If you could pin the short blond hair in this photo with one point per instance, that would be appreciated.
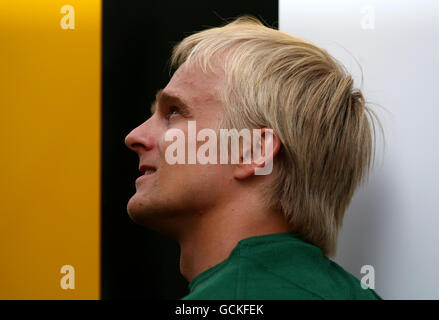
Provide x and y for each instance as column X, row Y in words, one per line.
column 283, row 82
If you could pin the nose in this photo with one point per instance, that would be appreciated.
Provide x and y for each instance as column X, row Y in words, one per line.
column 139, row 140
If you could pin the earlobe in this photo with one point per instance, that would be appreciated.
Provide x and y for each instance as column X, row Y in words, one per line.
column 245, row 167
column 243, row 171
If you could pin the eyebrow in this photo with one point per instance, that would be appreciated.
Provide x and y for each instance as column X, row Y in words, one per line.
column 166, row 97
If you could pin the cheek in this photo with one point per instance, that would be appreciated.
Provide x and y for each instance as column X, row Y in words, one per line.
column 190, row 176
column 176, row 140
column 211, row 179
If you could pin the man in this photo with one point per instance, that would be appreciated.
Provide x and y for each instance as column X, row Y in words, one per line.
column 245, row 235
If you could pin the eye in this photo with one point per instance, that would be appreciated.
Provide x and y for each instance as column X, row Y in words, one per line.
column 173, row 110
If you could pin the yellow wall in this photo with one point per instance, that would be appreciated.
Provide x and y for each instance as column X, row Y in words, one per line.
column 49, row 149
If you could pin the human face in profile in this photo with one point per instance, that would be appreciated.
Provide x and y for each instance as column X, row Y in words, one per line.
column 169, row 197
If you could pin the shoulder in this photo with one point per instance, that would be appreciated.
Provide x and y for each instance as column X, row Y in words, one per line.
column 280, row 270
column 293, row 270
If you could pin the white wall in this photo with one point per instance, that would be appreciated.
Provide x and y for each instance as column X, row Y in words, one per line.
column 392, row 222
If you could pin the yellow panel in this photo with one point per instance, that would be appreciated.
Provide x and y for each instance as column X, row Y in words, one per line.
column 49, row 149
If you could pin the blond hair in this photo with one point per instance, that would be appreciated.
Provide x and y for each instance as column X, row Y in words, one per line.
column 283, row 82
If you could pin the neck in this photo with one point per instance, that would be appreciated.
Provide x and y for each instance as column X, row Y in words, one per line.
column 216, row 233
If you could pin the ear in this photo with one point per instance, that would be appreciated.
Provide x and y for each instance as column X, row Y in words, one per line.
column 256, row 158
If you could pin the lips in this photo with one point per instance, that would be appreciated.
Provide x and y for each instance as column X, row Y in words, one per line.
column 147, row 169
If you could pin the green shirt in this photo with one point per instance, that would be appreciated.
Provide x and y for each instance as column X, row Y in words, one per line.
column 277, row 266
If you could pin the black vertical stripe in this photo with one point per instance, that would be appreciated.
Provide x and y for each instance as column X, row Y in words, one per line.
column 137, row 41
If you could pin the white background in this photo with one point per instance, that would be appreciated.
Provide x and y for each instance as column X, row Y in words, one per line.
column 392, row 222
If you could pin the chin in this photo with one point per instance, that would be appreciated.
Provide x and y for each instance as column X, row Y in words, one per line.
column 136, row 209
column 161, row 219
column 142, row 212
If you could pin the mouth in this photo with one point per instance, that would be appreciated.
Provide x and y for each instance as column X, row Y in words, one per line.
column 146, row 170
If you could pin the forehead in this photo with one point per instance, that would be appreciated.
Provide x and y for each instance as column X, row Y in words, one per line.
column 194, row 86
